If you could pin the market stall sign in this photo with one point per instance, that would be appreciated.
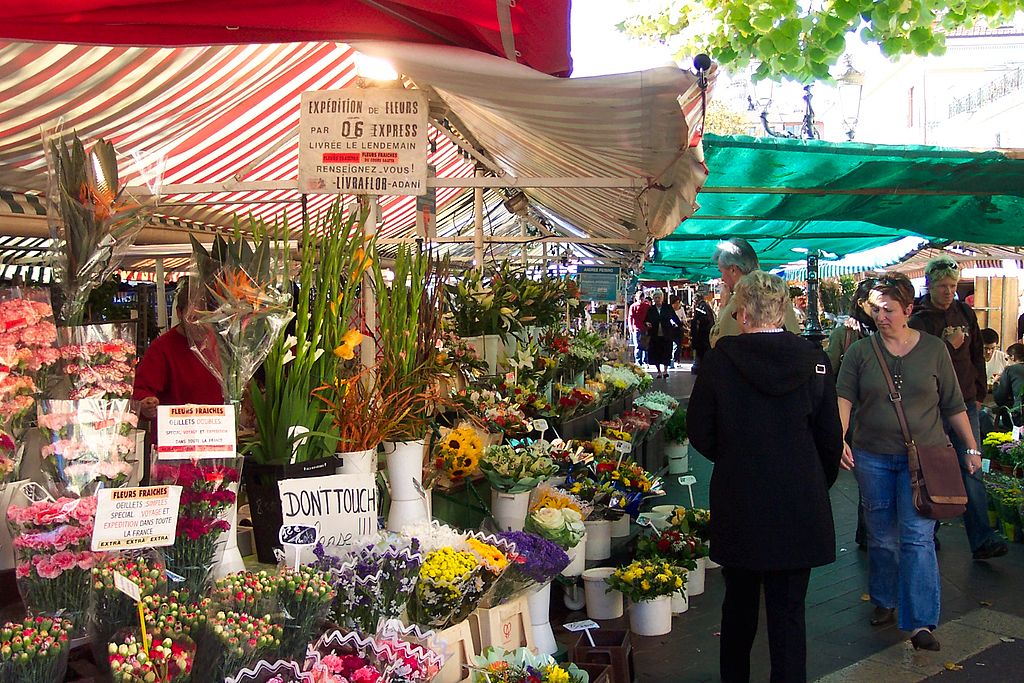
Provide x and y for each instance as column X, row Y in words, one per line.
column 599, row 283
column 195, row 432
column 342, row 507
column 363, row 141
column 143, row 517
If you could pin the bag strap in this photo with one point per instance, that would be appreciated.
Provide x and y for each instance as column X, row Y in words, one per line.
column 894, row 395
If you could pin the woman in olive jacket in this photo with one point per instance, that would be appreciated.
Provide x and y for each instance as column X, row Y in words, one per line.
column 764, row 410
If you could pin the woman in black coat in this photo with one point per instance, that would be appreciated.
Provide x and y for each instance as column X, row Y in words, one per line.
column 764, row 410
column 663, row 326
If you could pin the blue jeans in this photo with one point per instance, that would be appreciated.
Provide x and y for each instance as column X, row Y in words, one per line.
column 640, row 355
column 976, row 516
column 902, row 569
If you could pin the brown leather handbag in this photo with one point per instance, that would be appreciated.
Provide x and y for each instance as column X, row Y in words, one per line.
column 935, row 479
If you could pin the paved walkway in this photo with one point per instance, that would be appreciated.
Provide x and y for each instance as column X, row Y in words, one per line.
column 982, row 610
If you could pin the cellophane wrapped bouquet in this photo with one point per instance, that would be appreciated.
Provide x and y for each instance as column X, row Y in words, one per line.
column 207, row 497
column 27, row 355
column 93, row 215
column 496, row 665
column 87, row 444
column 53, row 560
column 396, row 656
column 558, row 517
column 534, row 562
column 110, row 609
column 239, row 302
column 373, row 582
column 34, row 650
column 230, row 641
column 99, row 360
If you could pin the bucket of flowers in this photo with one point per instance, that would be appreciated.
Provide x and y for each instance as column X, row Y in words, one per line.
column 513, row 472
column 35, row 649
column 649, row 585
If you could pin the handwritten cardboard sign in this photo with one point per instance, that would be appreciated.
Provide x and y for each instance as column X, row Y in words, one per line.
column 342, row 507
column 195, row 431
column 144, row 517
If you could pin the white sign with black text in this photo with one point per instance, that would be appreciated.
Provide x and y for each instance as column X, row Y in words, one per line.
column 193, row 432
column 342, row 507
column 363, row 141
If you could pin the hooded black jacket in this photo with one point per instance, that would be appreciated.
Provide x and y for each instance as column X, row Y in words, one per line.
column 764, row 410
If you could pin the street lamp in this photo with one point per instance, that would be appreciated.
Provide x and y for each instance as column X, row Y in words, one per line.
column 851, row 88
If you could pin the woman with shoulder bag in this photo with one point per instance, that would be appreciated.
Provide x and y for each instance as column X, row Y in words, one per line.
column 903, row 572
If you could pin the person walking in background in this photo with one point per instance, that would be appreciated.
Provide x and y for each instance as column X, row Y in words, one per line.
column 662, row 327
column 677, row 343
column 941, row 315
column 736, row 258
column 701, row 322
column 903, row 572
column 764, row 410
column 637, row 318
column 857, row 326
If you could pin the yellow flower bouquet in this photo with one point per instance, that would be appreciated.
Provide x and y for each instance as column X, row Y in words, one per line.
column 646, row 580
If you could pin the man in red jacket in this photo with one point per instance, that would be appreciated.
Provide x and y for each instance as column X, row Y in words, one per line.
column 637, row 316
column 170, row 373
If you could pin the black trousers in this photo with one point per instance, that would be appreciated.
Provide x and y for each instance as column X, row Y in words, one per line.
column 784, row 595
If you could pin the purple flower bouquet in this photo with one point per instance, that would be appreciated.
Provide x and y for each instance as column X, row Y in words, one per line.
column 535, row 562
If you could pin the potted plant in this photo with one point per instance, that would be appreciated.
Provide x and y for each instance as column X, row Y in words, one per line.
column 649, row 585
column 677, row 442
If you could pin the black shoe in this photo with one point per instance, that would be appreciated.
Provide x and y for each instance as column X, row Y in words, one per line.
column 883, row 615
column 991, row 548
column 924, row 640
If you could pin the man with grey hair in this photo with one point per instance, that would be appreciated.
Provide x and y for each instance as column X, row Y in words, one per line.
column 736, row 258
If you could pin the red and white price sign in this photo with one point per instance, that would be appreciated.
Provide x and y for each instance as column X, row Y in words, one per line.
column 194, row 432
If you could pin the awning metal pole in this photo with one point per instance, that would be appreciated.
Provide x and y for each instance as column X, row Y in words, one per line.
column 161, row 297
column 478, row 223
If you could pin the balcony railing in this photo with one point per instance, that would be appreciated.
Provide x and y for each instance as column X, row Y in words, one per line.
column 1010, row 82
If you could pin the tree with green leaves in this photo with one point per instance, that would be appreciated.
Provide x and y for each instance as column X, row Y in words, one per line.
column 801, row 40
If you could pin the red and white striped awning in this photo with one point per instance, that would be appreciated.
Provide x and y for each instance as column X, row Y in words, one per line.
column 230, row 113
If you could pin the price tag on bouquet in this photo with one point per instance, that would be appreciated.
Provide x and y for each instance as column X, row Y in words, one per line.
column 131, row 589
column 195, row 432
column 144, row 517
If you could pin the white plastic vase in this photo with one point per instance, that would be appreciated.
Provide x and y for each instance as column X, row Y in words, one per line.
column 358, row 462
column 405, row 475
column 231, row 559
column 709, row 563
column 678, row 456
column 680, row 601
column 620, row 527
column 601, row 602
column 540, row 620
column 510, row 509
column 577, row 558
column 695, row 578
column 599, row 539
column 651, row 617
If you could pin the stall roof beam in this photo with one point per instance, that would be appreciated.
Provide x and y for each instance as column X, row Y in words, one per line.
column 852, row 191
column 484, row 181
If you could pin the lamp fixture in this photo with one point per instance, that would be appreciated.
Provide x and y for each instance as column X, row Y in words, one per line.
column 850, row 85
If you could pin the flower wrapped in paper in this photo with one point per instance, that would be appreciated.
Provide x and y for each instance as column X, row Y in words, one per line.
column 514, row 469
column 93, row 216
column 230, row 641
column 239, row 302
column 207, row 497
column 99, row 360
column 168, row 660
column 87, row 444
column 53, row 560
column 558, row 516
column 34, row 650
column 397, row 655
column 680, row 549
column 496, row 665
column 372, row 582
column 534, row 562
column 110, row 609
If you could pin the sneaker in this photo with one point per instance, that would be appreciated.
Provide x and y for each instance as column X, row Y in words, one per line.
column 993, row 547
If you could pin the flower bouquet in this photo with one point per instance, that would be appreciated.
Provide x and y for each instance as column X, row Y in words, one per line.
column 448, row 579
column 27, row 335
column 100, row 360
column 372, row 583
column 283, row 671
column 402, row 656
column 93, row 218
column 206, row 501
column 478, row 307
column 515, row 469
column 619, row 379
column 53, row 561
column 631, row 482
column 646, row 579
column 177, row 614
column 495, row 665
column 251, row 592
column 561, row 525
column 695, row 521
column 457, row 453
column 569, row 455
column 111, row 610
column 10, row 459
column 230, row 641
column 456, row 358
column 491, row 411
column 672, row 546
column 534, row 563
column 570, row 401
column 239, row 302
column 88, row 444
column 604, row 500
column 304, row 597
column 169, row 660
column 34, row 650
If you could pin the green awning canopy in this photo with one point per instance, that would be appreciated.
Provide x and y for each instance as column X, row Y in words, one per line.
column 782, row 193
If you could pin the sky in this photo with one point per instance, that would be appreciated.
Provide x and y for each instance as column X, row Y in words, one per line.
column 598, row 48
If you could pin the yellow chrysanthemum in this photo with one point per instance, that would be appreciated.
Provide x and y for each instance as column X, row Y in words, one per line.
column 489, row 556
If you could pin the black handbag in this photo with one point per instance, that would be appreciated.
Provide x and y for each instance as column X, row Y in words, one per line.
column 935, row 479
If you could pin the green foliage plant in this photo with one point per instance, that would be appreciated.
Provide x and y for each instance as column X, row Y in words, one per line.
column 675, row 428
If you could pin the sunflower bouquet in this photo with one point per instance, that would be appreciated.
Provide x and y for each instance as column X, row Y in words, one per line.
column 646, row 579
column 457, row 453
column 239, row 302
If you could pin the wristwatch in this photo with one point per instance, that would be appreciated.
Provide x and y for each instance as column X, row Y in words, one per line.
column 972, row 451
